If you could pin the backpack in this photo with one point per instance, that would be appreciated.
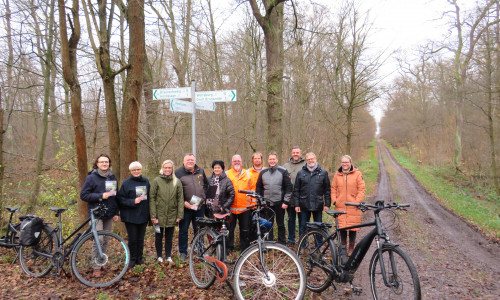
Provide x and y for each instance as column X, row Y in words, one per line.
column 31, row 229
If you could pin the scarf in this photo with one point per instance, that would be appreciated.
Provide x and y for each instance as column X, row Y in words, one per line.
column 313, row 168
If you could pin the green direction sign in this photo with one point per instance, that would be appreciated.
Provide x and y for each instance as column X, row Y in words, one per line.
column 171, row 93
column 216, row 96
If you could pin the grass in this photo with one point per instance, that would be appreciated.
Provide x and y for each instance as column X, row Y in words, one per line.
column 369, row 167
column 474, row 203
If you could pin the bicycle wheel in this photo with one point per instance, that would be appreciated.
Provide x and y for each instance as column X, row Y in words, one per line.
column 401, row 275
column 317, row 258
column 37, row 260
column 285, row 279
column 112, row 266
column 202, row 271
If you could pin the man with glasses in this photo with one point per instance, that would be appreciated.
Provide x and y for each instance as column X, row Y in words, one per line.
column 101, row 185
column 311, row 192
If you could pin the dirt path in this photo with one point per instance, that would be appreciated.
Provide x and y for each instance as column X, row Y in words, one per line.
column 453, row 260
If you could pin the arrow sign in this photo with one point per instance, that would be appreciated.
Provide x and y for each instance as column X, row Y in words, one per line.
column 177, row 105
column 210, row 106
column 216, row 96
column 171, row 93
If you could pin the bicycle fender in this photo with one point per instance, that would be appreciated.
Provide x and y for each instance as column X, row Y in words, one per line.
column 390, row 245
column 221, row 265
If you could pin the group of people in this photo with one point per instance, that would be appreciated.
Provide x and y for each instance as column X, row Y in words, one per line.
column 301, row 188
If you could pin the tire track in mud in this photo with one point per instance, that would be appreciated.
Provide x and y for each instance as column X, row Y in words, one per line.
column 453, row 259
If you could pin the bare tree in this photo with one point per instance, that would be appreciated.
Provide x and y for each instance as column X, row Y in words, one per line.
column 271, row 23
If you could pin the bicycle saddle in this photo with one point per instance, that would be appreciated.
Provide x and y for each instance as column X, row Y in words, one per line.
column 318, row 225
column 58, row 209
column 202, row 222
column 12, row 209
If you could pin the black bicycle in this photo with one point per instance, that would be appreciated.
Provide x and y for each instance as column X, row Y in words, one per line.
column 265, row 270
column 392, row 273
column 11, row 237
column 90, row 251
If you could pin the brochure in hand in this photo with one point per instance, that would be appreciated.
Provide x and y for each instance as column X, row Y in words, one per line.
column 141, row 191
column 111, row 186
column 195, row 200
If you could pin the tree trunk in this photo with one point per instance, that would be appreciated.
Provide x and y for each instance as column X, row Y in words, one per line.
column 272, row 25
column 133, row 88
column 47, row 85
column 70, row 74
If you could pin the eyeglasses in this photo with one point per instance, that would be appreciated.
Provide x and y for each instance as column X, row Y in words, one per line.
column 103, row 162
column 135, row 170
column 346, row 162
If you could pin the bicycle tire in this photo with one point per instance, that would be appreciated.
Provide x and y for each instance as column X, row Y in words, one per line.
column 316, row 258
column 287, row 278
column 407, row 283
column 202, row 273
column 112, row 267
column 37, row 260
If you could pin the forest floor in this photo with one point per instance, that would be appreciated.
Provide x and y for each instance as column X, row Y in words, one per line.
column 453, row 260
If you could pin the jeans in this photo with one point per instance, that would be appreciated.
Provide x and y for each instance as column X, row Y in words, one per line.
column 136, row 234
column 169, row 234
column 189, row 217
column 305, row 216
column 280, row 221
column 103, row 240
column 244, row 219
column 292, row 217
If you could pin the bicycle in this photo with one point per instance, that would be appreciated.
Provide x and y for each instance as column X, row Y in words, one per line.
column 264, row 270
column 11, row 237
column 392, row 273
column 110, row 255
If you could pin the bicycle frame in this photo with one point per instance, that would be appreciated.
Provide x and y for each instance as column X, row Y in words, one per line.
column 10, row 230
column 346, row 272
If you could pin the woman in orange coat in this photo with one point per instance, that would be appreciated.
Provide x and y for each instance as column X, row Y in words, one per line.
column 348, row 186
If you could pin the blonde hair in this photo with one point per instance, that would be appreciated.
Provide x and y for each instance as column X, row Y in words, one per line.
column 134, row 164
column 346, row 156
column 168, row 161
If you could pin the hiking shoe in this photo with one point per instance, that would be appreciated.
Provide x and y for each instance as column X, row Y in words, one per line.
column 169, row 260
column 160, row 259
column 183, row 256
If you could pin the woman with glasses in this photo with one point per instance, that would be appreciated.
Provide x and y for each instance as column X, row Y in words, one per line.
column 348, row 186
column 134, row 211
column 101, row 185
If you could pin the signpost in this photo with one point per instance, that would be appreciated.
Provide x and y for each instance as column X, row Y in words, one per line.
column 199, row 100
column 171, row 93
column 216, row 96
column 177, row 105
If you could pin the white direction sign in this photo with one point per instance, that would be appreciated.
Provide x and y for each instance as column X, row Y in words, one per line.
column 205, row 105
column 177, row 105
column 216, row 96
column 171, row 93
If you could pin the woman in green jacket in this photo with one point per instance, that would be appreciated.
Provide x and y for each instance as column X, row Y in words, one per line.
column 166, row 207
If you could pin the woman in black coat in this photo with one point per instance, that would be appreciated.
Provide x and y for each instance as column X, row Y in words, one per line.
column 134, row 211
column 220, row 193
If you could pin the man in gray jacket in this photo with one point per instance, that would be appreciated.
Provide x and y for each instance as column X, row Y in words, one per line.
column 275, row 186
column 295, row 164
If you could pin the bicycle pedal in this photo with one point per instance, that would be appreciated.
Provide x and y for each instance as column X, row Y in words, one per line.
column 357, row 291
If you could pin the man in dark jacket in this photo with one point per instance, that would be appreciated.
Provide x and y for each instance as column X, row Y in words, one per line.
column 101, row 185
column 194, row 185
column 275, row 186
column 311, row 192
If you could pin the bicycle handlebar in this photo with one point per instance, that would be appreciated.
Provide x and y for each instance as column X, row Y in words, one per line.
column 377, row 205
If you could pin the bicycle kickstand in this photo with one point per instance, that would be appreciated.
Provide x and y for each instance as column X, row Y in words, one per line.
column 356, row 290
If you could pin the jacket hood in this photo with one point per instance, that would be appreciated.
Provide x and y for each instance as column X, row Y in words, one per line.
column 350, row 170
column 94, row 171
column 301, row 159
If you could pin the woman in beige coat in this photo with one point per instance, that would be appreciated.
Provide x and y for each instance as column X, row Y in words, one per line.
column 348, row 186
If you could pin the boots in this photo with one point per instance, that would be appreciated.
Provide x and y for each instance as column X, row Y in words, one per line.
column 351, row 248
